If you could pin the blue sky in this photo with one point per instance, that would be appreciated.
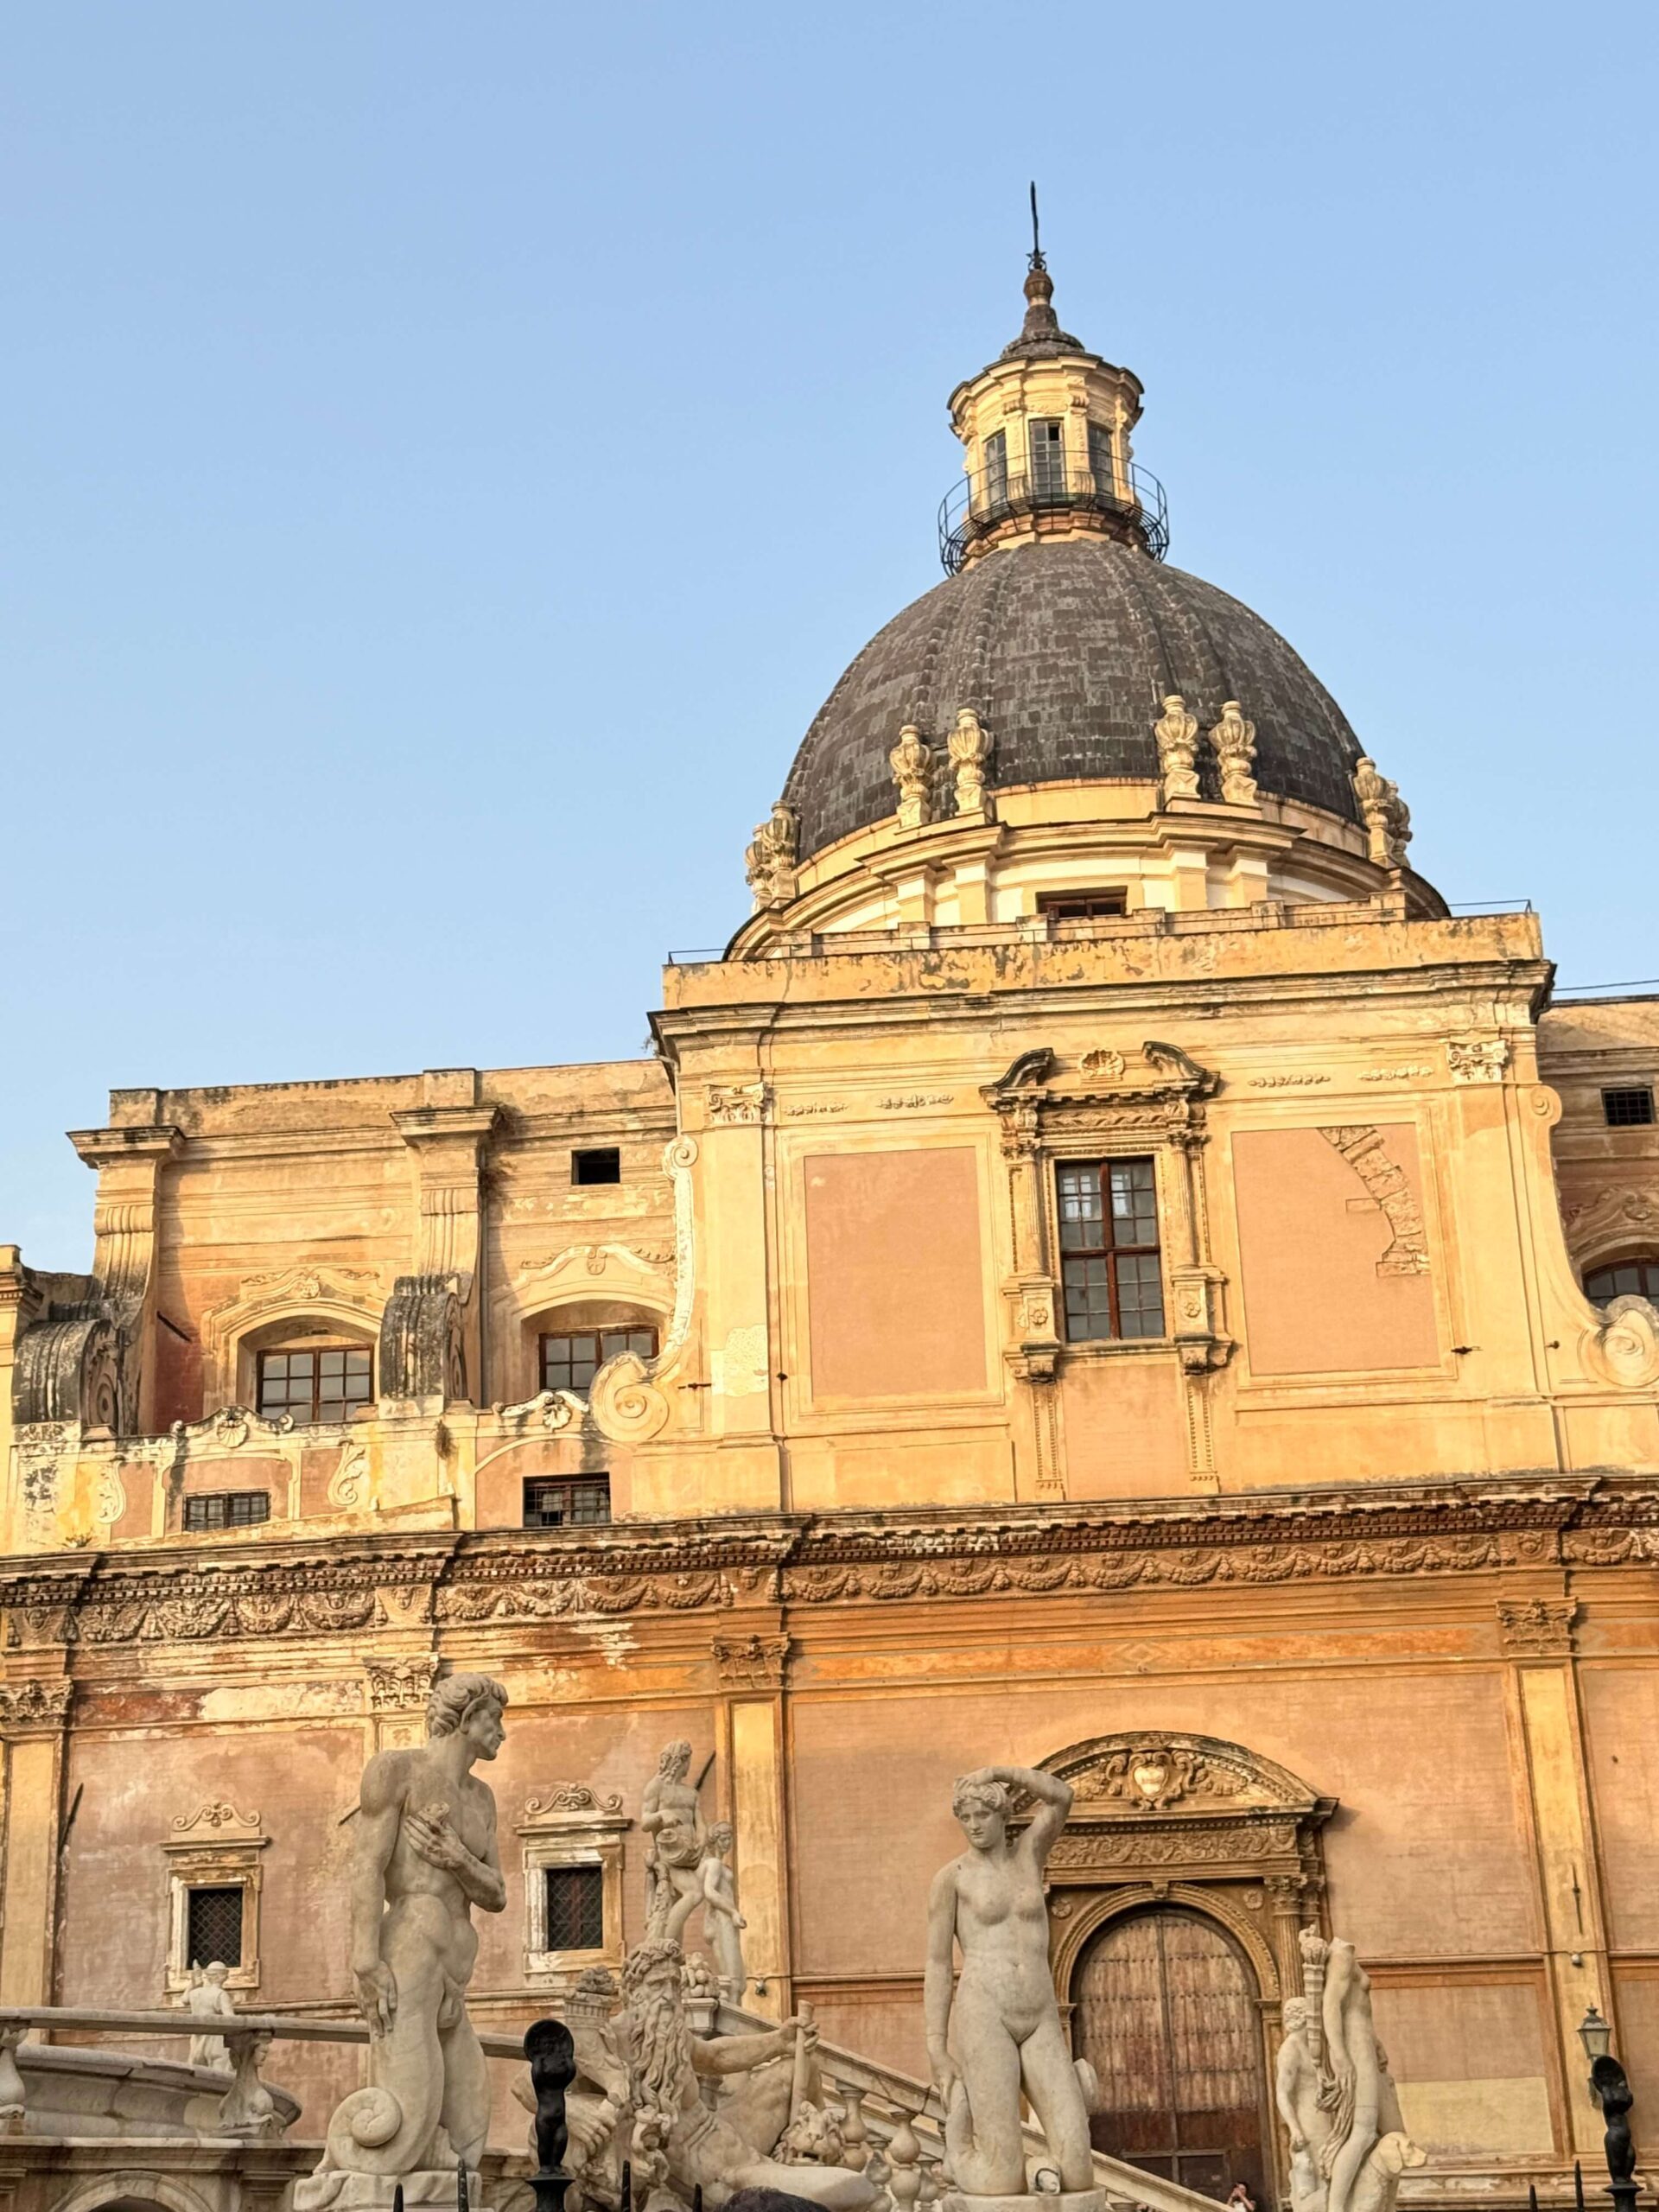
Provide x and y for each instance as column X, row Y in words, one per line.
column 450, row 452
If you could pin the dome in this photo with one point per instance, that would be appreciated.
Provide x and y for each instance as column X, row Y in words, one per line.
column 1066, row 649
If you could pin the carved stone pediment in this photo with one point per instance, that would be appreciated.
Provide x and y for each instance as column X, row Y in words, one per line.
column 1167, row 1799
column 1162, row 1096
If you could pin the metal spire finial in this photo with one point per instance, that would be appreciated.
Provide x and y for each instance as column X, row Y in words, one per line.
column 1037, row 261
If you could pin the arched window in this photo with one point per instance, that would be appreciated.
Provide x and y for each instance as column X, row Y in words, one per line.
column 315, row 1375
column 571, row 1356
column 1164, row 2011
column 1637, row 1278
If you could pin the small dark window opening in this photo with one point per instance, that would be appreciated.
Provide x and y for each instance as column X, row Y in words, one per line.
column 573, row 1502
column 1625, row 1278
column 1048, row 458
column 213, row 1927
column 226, row 1509
column 1628, row 1108
column 572, row 1358
column 326, row 1384
column 1083, row 905
column 599, row 1164
column 575, row 1907
column 996, row 469
column 1109, row 1249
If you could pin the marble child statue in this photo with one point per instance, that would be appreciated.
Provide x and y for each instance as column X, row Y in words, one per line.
column 722, row 1924
column 1003, row 2034
column 208, row 1998
column 424, row 1854
column 1348, row 2143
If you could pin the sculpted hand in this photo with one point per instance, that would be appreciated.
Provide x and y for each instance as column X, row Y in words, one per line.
column 376, row 1996
column 945, row 2076
column 431, row 1836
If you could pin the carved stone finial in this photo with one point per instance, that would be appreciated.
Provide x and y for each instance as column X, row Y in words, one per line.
column 910, row 760
column 970, row 749
column 1177, row 749
column 1386, row 816
column 770, row 859
column 1234, row 739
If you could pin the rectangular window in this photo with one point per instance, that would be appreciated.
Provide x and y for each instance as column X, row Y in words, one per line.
column 326, row 1383
column 1083, row 905
column 213, row 1926
column 1048, row 458
column 1109, row 1249
column 575, row 1907
column 570, row 1361
column 575, row 1501
column 598, row 1163
column 1630, row 1108
column 996, row 469
column 1100, row 460
column 226, row 1509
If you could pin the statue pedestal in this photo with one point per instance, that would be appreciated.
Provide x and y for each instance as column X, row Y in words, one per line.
column 1070, row 2200
column 337, row 2190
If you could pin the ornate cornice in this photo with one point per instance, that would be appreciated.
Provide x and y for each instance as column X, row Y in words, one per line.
column 170, row 1595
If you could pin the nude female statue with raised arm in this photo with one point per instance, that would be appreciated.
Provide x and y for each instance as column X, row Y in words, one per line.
column 1003, row 2034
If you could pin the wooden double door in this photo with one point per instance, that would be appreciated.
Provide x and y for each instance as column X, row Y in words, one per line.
column 1165, row 2010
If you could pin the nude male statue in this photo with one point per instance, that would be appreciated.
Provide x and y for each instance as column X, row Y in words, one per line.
column 208, row 1998
column 424, row 1855
column 723, row 1924
column 671, row 1817
column 1003, row 2033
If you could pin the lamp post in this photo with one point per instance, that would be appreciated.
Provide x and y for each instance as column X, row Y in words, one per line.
column 1610, row 2088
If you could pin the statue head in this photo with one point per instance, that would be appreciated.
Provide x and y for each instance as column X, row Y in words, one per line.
column 1295, row 2012
column 469, row 1705
column 215, row 1971
column 676, row 1762
column 982, row 1809
column 719, row 1840
column 652, row 1968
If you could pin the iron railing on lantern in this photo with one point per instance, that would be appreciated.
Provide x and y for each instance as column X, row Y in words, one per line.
column 988, row 499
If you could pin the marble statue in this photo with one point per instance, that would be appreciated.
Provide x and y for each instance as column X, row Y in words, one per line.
column 208, row 1998
column 678, row 2141
column 722, row 1924
column 424, row 1854
column 1002, row 2034
column 671, row 1817
column 1347, row 2142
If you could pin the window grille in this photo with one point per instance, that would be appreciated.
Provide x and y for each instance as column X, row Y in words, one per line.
column 579, row 1502
column 598, row 1163
column 575, row 1907
column 1627, row 1109
column 213, row 1927
column 226, row 1509
column 1048, row 458
column 570, row 1359
column 1109, row 1263
column 323, row 1384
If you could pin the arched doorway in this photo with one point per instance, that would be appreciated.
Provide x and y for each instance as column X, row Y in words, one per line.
column 1165, row 2010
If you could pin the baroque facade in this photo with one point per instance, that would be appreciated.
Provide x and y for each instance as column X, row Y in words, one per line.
column 1107, row 1271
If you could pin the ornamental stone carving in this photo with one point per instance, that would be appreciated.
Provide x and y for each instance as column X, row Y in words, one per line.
column 1233, row 740
column 1366, row 1151
column 736, row 1105
column 752, row 1662
column 1625, row 1349
column 769, row 864
column 35, row 1706
column 400, row 1685
column 71, row 1371
column 422, row 1344
column 1536, row 1628
column 1476, row 1059
column 969, row 747
column 1177, row 733
column 911, row 761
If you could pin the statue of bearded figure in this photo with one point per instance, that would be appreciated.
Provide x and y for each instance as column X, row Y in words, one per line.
column 677, row 2138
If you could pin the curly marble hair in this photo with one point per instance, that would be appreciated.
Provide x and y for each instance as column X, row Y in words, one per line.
column 454, row 1698
column 979, row 1796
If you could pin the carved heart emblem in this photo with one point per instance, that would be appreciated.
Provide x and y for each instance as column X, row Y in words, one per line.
column 1149, row 1774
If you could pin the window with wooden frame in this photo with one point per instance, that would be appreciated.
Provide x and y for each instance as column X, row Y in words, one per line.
column 1110, row 1268
column 1100, row 461
column 1624, row 1279
column 226, row 1509
column 571, row 1357
column 1083, row 906
column 996, row 469
column 317, row 1382
column 1047, row 437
